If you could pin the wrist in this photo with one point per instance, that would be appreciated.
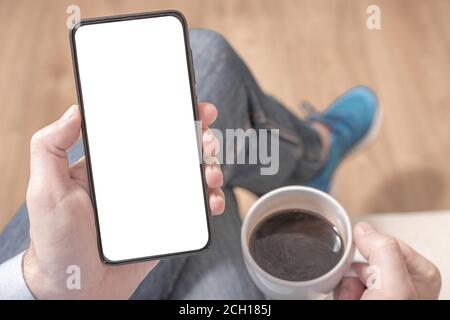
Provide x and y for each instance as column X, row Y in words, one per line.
column 31, row 274
column 40, row 285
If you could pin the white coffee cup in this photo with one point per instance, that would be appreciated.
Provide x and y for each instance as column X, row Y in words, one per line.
column 309, row 199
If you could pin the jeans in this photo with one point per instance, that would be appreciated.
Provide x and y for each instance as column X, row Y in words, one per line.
column 223, row 79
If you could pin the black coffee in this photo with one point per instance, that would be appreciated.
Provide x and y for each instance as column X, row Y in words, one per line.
column 296, row 245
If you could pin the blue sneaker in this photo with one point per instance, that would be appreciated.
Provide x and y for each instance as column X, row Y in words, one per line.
column 353, row 120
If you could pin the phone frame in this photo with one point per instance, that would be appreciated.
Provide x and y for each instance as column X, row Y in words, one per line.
column 192, row 81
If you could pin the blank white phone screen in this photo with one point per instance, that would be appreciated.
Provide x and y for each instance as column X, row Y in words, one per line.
column 142, row 138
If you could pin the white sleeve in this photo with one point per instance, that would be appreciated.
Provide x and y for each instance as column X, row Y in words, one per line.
column 12, row 283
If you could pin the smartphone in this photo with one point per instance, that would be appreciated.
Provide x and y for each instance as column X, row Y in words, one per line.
column 136, row 91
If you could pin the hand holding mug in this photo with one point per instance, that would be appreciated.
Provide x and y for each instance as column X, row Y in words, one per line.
column 394, row 270
column 403, row 273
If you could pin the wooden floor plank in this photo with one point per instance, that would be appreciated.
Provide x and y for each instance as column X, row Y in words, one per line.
column 297, row 49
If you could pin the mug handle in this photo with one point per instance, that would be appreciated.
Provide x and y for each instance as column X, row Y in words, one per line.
column 357, row 258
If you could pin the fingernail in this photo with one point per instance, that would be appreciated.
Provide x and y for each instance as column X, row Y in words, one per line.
column 69, row 113
column 363, row 228
column 217, row 198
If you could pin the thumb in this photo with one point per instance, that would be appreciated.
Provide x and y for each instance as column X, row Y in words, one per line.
column 385, row 257
column 48, row 164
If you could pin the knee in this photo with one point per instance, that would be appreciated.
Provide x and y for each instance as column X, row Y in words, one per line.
column 211, row 43
column 206, row 37
column 217, row 66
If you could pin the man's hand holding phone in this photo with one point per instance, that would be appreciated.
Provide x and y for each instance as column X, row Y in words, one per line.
column 62, row 227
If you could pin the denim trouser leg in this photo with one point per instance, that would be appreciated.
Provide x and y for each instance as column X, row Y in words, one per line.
column 223, row 79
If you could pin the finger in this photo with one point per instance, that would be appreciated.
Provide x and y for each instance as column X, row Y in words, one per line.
column 426, row 274
column 416, row 263
column 207, row 113
column 210, row 144
column 78, row 172
column 350, row 288
column 216, row 201
column 48, row 163
column 384, row 255
column 365, row 274
column 214, row 176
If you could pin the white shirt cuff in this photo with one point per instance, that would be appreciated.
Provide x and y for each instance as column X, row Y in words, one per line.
column 12, row 282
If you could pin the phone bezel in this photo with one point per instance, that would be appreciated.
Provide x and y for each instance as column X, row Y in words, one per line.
column 190, row 66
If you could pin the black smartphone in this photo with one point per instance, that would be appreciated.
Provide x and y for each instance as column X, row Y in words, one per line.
column 136, row 91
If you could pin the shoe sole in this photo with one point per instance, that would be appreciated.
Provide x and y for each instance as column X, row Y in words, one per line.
column 368, row 139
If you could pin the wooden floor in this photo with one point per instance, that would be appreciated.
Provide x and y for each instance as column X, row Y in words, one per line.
column 298, row 50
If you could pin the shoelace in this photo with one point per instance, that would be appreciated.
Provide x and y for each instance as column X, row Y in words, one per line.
column 307, row 108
